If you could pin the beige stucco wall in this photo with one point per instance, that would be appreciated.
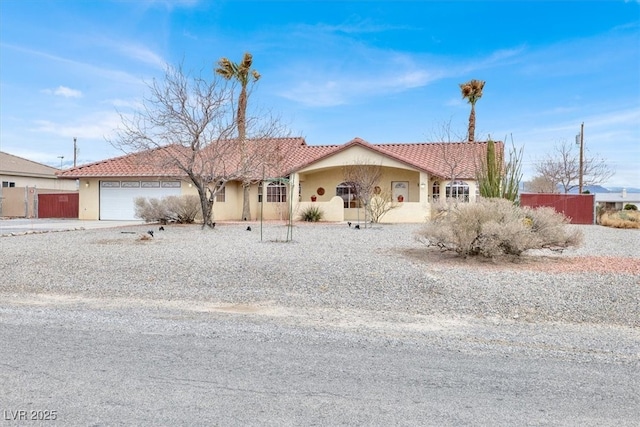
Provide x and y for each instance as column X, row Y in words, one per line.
column 327, row 174
column 41, row 183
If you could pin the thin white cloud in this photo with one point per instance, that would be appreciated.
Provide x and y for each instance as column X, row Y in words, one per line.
column 64, row 91
column 355, row 25
column 378, row 72
column 86, row 68
column 138, row 53
column 96, row 125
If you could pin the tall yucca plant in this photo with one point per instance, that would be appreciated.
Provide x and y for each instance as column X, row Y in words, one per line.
column 472, row 92
column 243, row 73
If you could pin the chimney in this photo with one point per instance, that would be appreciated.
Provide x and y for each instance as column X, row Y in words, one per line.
column 624, row 193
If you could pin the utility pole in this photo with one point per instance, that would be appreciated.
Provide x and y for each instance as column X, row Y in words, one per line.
column 75, row 151
column 581, row 158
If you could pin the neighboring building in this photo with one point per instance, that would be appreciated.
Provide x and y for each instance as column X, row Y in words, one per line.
column 617, row 201
column 414, row 175
column 22, row 181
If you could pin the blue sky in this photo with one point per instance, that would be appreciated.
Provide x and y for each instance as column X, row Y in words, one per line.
column 387, row 72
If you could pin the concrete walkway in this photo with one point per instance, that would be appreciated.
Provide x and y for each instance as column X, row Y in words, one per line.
column 23, row 225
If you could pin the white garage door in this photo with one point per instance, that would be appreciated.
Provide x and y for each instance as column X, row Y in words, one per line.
column 117, row 197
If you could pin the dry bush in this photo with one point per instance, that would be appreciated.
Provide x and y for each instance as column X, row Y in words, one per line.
column 150, row 209
column 183, row 209
column 379, row 205
column 621, row 219
column 179, row 209
column 495, row 227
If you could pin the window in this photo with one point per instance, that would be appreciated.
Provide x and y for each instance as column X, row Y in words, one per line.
column 349, row 194
column 458, row 190
column 222, row 195
column 276, row 192
column 435, row 191
column 7, row 184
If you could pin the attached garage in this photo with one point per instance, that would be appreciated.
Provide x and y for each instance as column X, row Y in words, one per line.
column 117, row 197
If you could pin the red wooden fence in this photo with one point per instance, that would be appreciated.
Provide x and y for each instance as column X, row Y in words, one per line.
column 579, row 208
column 58, row 205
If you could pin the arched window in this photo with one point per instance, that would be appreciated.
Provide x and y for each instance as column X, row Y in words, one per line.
column 349, row 194
column 458, row 190
column 435, row 191
column 276, row 192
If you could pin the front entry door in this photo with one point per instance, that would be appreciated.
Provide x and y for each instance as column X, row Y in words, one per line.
column 400, row 191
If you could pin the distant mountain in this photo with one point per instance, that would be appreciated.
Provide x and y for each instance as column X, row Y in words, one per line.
column 591, row 189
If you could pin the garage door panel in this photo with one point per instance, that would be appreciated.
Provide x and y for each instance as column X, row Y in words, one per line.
column 117, row 197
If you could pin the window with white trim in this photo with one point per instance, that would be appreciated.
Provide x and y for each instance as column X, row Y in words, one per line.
column 276, row 192
column 435, row 191
column 8, row 184
column 457, row 190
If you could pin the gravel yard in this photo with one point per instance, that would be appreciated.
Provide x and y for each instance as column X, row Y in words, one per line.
column 382, row 269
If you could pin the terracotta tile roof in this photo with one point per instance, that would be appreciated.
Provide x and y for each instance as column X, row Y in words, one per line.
column 438, row 159
column 135, row 164
column 442, row 159
column 17, row 166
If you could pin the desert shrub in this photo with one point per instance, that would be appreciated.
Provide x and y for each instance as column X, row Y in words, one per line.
column 630, row 207
column 150, row 209
column 621, row 219
column 495, row 227
column 180, row 209
column 312, row 214
column 379, row 205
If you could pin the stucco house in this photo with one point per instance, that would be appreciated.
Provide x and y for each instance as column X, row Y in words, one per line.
column 413, row 175
column 22, row 181
column 617, row 201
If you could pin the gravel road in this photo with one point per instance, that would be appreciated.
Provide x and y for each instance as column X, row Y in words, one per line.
column 338, row 327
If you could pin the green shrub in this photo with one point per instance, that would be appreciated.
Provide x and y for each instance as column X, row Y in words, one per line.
column 179, row 209
column 630, row 207
column 312, row 214
column 495, row 227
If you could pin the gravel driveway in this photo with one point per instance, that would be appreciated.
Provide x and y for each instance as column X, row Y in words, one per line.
column 327, row 268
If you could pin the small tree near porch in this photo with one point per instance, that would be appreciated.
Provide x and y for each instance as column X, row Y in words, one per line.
column 365, row 177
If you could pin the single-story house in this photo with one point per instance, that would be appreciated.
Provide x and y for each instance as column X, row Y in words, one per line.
column 617, row 201
column 413, row 176
column 22, row 181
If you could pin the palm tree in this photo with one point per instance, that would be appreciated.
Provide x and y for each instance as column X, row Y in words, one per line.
column 472, row 92
column 243, row 73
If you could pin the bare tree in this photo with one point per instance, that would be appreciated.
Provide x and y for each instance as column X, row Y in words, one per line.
column 380, row 204
column 186, row 125
column 450, row 155
column 561, row 167
column 540, row 184
column 365, row 176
